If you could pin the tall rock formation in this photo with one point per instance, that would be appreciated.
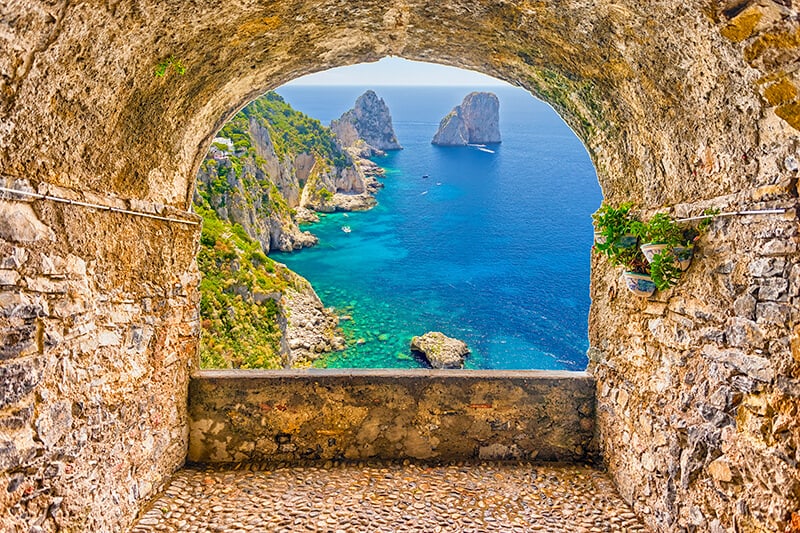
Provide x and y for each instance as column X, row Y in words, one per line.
column 370, row 121
column 270, row 165
column 475, row 121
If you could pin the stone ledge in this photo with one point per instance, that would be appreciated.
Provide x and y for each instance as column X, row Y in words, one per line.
column 431, row 415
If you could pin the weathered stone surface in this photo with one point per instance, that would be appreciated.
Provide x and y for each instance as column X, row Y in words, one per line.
column 18, row 379
column 18, row 223
column 475, row 121
column 96, row 348
column 362, row 414
column 340, row 497
column 439, row 350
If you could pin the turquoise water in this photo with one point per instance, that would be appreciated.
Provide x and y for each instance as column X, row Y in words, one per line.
column 492, row 248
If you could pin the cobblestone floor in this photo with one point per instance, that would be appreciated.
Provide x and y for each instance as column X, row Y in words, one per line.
column 390, row 498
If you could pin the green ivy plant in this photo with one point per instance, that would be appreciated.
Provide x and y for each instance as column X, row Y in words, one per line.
column 661, row 229
column 664, row 269
column 170, row 63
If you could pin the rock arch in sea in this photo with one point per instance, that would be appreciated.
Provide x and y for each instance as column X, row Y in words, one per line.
column 681, row 104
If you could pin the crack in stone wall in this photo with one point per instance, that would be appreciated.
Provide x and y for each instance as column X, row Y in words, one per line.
column 681, row 105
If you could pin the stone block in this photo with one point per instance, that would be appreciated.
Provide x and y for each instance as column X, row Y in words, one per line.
column 753, row 366
column 779, row 247
column 19, row 223
column 744, row 333
column 47, row 285
column 109, row 338
column 720, row 470
column 794, row 280
column 16, row 419
column 773, row 290
column 745, row 306
column 54, row 423
column 9, row 457
column 765, row 267
column 773, row 313
column 18, row 340
column 75, row 267
column 16, row 259
column 19, row 378
column 9, row 277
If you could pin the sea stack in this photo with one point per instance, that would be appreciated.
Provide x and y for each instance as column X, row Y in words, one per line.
column 369, row 120
column 475, row 121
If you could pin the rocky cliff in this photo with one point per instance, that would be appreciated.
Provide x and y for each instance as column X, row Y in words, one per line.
column 271, row 162
column 475, row 121
column 370, row 121
column 269, row 168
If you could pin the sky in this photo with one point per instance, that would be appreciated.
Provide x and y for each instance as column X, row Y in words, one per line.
column 398, row 71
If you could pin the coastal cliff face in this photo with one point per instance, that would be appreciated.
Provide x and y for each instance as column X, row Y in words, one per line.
column 269, row 168
column 271, row 161
column 369, row 120
column 475, row 121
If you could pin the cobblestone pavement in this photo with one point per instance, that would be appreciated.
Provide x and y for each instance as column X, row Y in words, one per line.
column 377, row 497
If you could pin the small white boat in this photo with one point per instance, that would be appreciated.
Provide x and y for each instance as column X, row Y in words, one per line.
column 481, row 147
column 346, row 229
column 423, row 193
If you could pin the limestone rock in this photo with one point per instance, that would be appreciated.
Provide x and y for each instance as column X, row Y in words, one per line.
column 369, row 120
column 475, row 121
column 311, row 329
column 18, row 223
column 440, row 350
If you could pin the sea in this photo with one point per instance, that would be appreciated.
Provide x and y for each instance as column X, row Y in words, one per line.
column 487, row 244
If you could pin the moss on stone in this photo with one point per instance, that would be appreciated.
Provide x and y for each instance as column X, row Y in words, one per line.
column 767, row 41
column 781, row 93
column 741, row 27
column 790, row 113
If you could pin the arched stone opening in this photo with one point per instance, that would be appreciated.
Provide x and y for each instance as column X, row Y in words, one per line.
column 683, row 105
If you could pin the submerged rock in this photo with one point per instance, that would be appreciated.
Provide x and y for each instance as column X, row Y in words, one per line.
column 440, row 350
column 475, row 121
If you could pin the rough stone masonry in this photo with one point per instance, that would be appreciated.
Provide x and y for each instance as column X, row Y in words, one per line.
column 682, row 104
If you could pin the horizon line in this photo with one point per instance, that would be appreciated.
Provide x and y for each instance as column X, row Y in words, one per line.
column 505, row 85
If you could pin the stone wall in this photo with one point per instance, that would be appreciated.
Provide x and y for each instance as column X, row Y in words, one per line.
column 269, row 416
column 97, row 316
column 698, row 385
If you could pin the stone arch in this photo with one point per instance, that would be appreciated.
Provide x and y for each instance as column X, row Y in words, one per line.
column 680, row 104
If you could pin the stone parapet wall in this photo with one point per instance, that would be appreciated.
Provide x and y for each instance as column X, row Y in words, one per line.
column 426, row 415
column 98, row 321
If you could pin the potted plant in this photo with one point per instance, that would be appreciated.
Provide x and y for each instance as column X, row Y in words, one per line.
column 662, row 235
column 613, row 231
column 616, row 238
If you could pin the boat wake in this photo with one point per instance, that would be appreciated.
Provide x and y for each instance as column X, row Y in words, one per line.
column 481, row 147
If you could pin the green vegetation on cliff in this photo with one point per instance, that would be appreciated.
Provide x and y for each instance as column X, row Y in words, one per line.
column 239, row 298
column 293, row 132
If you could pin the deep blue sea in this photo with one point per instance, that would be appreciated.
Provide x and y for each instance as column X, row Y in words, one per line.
column 491, row 248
